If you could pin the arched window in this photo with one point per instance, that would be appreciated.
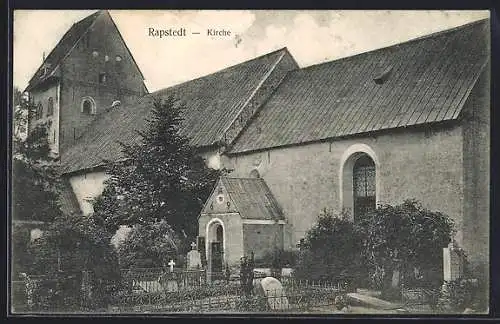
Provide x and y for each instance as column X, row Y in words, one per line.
column 363, row 185
column 50, row 107
column 88, row 106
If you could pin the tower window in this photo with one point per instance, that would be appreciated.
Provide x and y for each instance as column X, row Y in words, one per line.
column 88, row 106
column 50, row 107
column 102, row 77
column 118, row 58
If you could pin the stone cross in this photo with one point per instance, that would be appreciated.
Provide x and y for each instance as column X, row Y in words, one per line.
column 171, row 264
column 193, row 245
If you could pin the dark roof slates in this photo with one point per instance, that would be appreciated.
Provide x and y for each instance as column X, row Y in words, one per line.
column 252, row 198
column 426, row 79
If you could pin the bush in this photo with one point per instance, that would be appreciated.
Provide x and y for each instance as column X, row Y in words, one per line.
column 456, row 296
column 74, row 243
column 277, row 259
column 404, row 237
column 330, row 250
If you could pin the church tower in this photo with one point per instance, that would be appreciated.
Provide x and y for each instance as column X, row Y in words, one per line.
column 89, row 71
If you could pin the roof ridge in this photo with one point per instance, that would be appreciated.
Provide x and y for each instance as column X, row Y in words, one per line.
column 91, row 18
column 261, row 82
column 409, row 41
column 219, row 71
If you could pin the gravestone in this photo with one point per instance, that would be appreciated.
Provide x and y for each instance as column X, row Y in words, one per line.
column 169, row 282
column 453, row 262
column 273, row 290
column 193, row 258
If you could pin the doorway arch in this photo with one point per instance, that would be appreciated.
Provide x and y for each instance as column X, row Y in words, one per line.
column 215, row 245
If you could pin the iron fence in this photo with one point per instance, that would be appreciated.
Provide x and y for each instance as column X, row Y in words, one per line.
column 157, row 280
column 296, row 296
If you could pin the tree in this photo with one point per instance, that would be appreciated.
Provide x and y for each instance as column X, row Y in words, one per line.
column 405, row 238
column 330, row 249
column 161, row 178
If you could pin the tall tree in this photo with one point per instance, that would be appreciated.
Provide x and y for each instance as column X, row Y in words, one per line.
column 161, row 178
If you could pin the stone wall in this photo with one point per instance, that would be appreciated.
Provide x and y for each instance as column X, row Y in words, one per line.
column 425, row 164
column 96, row 53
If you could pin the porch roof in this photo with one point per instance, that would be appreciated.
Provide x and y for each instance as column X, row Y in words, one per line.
column 253, row 198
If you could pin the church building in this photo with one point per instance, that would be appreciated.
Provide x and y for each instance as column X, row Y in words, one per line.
column 408, row 121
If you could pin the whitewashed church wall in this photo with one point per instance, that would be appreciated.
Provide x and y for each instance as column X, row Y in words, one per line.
column 305, row 179
column 87, row 187
column 213, row 159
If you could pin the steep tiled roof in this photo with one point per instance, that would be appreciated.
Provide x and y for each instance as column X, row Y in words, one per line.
column 212, row 104
column 421, row 81
column 62, row 48
column 252, row 198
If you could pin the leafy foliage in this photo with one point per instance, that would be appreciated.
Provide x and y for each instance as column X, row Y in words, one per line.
column 161, row 178
column 456, row 296
column 35, row 184
column 153, row 243
column 330, row 249
column 35, row 180
column 407, row 235
column 73, row 243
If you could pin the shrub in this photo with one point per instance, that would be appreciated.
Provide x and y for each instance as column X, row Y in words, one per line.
column 330, row 249
column 404, row 237
column 458, row 295
column 277, row 259
column 73, row 243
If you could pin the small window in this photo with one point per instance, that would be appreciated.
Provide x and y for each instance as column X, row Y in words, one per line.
column 95, row 53
column 106, row 58
column 50, row 107
column 118, row 58
column 102, row 77
column 39, row 111
column 88, row 106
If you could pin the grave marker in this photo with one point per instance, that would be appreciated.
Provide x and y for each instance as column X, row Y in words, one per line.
column 171, row 265
column 273, row 289
column 193, row 258
column 453, row 262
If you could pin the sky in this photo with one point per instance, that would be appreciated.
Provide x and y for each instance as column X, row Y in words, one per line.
column 312, row 37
